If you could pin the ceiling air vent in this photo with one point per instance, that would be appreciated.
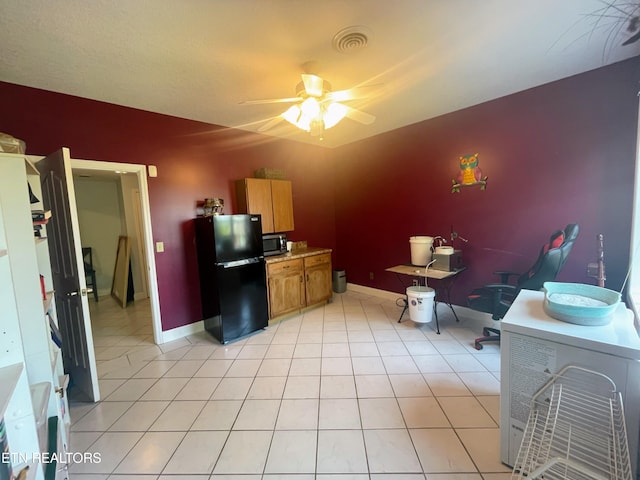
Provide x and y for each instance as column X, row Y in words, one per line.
column 351, row 39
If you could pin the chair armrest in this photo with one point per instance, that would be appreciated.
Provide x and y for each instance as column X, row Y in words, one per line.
column 498, row 298
column 504, row 275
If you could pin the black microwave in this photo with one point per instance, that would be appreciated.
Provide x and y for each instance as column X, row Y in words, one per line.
column 274, row 244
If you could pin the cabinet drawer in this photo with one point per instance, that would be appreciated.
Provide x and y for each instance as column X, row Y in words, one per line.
column 317, row 260
column 284, row 267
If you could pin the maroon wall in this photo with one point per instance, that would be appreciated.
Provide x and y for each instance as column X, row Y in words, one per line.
column 557, row 154
column 194, row 160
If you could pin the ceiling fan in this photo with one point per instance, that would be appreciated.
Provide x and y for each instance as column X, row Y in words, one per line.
column 316, row 108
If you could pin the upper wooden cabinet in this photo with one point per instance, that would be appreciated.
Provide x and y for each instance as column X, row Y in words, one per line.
column 282, row 198
column 273, row 199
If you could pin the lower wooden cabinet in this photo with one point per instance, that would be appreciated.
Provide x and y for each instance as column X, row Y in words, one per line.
column 298, row 283
column 286, row 287
column 317, row 271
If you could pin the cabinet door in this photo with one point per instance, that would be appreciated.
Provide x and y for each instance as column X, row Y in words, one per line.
column 286, row 287
column 282, row 197
column 254, row 196
column 318, row 278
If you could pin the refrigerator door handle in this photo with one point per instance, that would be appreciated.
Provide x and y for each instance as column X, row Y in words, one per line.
column 239, row 263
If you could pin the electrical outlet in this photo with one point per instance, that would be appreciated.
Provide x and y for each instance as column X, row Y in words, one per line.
column 415, row 282
column 370, row 275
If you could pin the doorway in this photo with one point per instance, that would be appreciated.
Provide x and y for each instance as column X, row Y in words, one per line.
column 127, row 184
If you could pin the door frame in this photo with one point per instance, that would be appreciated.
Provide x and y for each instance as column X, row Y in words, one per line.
column 141, row 173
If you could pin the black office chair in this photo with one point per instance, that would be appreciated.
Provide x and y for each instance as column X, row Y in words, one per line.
column 497, row 298
column 89, row 271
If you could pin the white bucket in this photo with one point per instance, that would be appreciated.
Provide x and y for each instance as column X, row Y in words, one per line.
column 421, row 300
column 420, row 250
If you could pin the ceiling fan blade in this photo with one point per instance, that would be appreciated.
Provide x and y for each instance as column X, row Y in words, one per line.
column 313, row 84
column 271, row 100
column 359, row 116
column 351, row 93
column 271, row 123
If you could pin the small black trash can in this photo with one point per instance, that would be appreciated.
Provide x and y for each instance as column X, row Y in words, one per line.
column 339, row 281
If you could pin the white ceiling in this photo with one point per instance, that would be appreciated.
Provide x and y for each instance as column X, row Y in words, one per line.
column 198, row 59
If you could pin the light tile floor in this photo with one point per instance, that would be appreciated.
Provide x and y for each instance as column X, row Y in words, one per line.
column 341, row 392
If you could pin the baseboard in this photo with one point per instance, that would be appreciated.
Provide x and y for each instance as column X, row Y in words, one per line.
column 181, row 332
column 483, row 319
column 376, row 292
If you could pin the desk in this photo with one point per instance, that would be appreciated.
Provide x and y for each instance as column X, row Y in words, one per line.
column 445, row 281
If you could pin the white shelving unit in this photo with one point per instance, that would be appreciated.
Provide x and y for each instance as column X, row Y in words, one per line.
column 576, row 430
column 31, row 371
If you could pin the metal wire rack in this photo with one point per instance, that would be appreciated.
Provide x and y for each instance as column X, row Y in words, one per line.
column 576, row 430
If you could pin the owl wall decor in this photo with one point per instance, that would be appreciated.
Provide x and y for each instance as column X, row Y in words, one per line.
column 469, row 174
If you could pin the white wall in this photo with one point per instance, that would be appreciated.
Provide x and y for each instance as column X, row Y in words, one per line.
column 100, row 214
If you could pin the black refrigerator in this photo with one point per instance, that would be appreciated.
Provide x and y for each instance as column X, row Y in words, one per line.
column 233, row 284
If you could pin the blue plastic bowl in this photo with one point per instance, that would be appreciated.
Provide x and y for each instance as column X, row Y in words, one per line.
column 580, row 303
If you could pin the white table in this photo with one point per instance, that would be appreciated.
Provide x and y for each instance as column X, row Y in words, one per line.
column 443, row 287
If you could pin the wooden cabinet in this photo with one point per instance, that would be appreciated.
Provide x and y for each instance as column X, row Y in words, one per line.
column 286, row 287
column 272, row 199
column 298, row 283
column 282, row 198
column 317, row 272
column 31, row 373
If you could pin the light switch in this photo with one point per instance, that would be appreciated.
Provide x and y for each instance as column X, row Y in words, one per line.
column 153, row 171
column 159, row 247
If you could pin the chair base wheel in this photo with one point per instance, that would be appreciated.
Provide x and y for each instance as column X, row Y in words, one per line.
column 489, row 335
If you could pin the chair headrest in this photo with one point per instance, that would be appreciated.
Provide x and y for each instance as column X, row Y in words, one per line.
column 571, row 232
column 556, row 239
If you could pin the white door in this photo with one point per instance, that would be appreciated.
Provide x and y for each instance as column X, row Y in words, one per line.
column 67, row 269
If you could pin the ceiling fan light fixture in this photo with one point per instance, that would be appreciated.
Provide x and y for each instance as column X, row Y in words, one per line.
column 333, row 114
column 310, row 107
column 313, row 117
column 304, row 122
column 316, row 127
column 292, row 114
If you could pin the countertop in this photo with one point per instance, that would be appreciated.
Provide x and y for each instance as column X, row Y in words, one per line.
column 298, row 253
